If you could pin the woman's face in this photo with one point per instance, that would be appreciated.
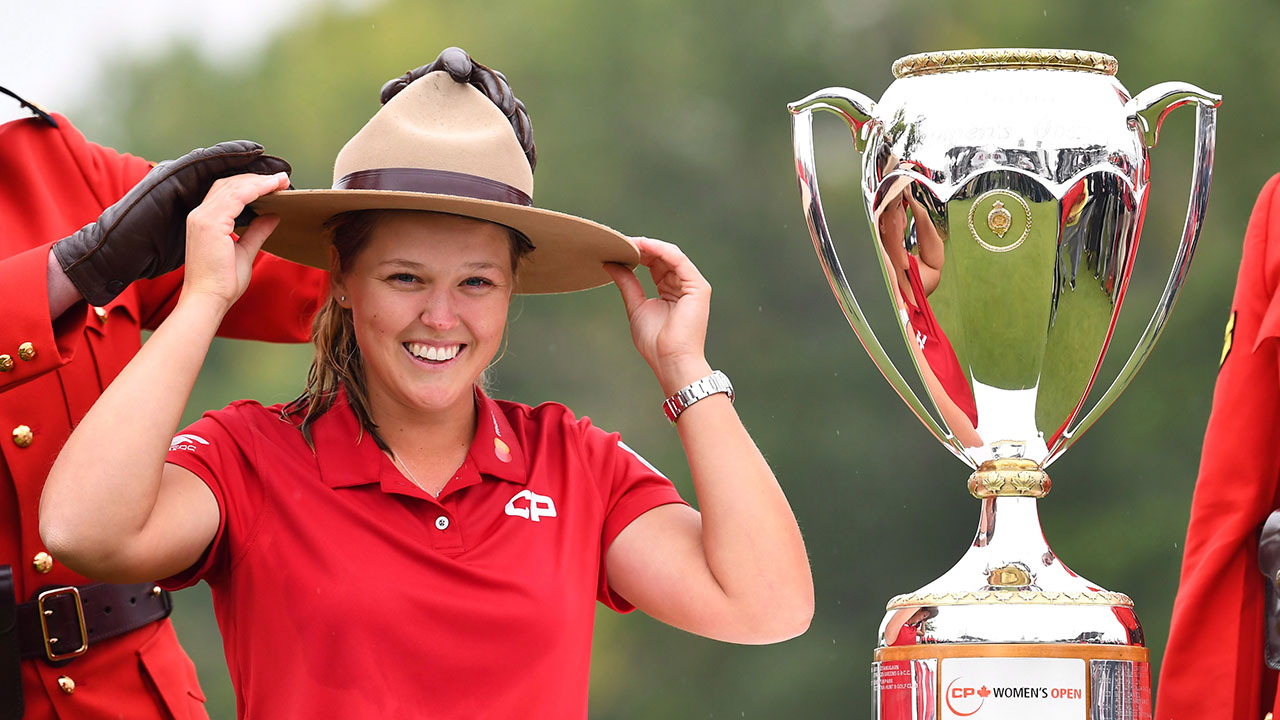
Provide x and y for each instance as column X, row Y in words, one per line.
column 428, row 295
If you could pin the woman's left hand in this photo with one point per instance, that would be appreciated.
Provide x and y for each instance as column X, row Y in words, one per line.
column 669, row 330
column 217, row 264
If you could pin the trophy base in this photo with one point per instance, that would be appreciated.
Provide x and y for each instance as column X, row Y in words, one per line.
column 1011, row 681
column 1011, row 633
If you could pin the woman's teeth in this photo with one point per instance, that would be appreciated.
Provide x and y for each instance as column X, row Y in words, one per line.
column 433, row 353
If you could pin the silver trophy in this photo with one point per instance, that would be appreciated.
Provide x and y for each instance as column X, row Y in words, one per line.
column 1006, row 191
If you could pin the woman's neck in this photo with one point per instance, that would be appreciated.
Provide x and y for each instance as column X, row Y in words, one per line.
column 432, row 446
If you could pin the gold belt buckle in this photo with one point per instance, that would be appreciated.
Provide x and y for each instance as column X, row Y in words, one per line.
column 49, row 642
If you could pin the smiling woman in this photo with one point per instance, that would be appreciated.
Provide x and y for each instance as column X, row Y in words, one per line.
column 495, row 527
column 413, row 266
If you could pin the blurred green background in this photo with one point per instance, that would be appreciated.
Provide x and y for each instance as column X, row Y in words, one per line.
column 668, row 119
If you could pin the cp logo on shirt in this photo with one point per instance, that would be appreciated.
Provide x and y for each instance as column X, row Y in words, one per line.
column 530, row 505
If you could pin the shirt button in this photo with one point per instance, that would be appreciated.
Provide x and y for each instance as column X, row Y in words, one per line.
column 67, row 684
column 22, row 436
column 6, row 363
column 26, row 351
column 442, row 523
column 42, row 562
column 101, row 313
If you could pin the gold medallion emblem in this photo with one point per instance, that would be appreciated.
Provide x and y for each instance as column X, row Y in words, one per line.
column 1005, row 210
column 998, row 219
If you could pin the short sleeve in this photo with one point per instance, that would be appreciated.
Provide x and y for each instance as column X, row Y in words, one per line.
column 219, row 449
column 630, row 487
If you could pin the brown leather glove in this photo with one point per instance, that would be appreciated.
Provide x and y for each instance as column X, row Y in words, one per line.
column 144, row 234
column 492, row 83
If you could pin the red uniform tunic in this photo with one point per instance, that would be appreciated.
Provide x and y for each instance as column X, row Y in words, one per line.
column 52, row 182
column 1213, row 666
column 344, row 591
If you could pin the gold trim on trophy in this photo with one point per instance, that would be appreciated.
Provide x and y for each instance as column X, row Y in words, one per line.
column 1005, row 58
column 1009, row 477
column 1045, row 650
column 999, row 220
column 1010, row 597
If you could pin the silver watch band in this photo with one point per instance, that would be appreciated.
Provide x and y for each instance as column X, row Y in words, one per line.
column 716, row 382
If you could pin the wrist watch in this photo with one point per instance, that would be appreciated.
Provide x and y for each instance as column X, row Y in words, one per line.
column 716, row 382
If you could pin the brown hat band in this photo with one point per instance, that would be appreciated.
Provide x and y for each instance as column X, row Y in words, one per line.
column 435, row 182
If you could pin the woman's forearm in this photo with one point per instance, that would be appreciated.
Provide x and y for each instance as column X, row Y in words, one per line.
column 102, row 488
column 752, row 544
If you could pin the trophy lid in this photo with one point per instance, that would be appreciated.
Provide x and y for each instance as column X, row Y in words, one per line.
column 1004, row 58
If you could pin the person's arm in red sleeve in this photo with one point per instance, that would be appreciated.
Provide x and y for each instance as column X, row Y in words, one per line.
column 278, row 306
column 32, row 342
column 1213, row 664
column 52, row 182
column 116, row 220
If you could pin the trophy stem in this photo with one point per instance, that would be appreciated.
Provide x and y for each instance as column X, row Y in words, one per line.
column 1010, row 564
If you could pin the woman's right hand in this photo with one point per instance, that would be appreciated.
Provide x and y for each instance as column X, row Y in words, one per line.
column 217, row 266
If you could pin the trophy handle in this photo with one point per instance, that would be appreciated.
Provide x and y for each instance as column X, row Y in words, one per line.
column 1148, row 110
column 855, row 108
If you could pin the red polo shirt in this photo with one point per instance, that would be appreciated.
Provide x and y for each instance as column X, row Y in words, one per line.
column 343, row 590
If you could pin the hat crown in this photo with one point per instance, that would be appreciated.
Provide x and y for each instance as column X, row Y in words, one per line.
column 438, row 124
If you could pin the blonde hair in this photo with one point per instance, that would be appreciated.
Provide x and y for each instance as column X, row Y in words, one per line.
column 337, row 363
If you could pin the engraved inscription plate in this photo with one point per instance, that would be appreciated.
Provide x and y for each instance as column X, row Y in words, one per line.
column 1120, row 690
column 905, row 689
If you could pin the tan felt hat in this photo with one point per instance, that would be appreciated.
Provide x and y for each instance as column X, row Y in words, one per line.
column 442, row 146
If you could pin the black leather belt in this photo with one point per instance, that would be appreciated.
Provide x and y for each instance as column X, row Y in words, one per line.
column 60, row 623
column 11, row 707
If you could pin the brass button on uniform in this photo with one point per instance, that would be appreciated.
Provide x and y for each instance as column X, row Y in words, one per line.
column 67, row 684
column 22, row 436
column 101, row 312
column 26, row 351
column 6, row 363
column 42, row 562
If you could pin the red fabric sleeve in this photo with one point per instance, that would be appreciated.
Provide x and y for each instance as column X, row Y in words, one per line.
column 278, row 306
column 1213, row 665
column 25, row 276
column 52, row 182
column 219, row 449
column 630, row 487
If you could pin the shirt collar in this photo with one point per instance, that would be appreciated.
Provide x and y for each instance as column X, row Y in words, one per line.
column 494, row 449
column 348, row 455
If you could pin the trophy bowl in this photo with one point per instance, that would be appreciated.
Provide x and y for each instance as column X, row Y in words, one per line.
column 1005, row 191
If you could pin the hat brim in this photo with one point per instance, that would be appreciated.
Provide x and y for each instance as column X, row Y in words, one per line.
column 568, row 253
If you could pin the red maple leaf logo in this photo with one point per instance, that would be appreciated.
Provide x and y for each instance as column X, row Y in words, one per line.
column 983, row 692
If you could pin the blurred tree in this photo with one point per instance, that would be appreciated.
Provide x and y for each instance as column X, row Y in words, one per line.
column 668, row 119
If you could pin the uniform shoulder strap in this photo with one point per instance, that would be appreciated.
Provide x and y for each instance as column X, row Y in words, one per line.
column 35, row 109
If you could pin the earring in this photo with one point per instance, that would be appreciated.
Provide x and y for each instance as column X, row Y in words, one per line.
column 342, row 299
